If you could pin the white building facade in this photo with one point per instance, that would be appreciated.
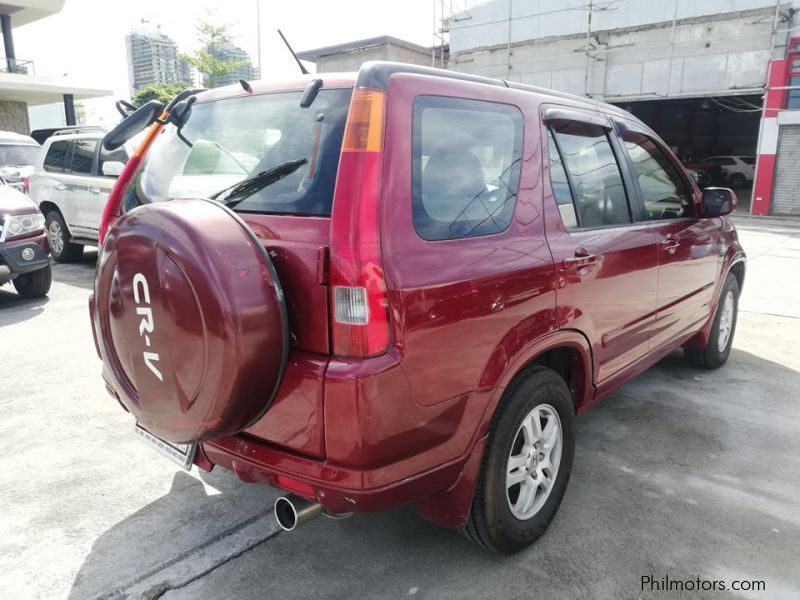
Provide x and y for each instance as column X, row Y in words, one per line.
column 670, row 60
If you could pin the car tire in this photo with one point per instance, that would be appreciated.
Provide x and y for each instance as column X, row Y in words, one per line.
column 498, row 520
column 61, row 248
column 718, row 348
column 35, row 284
column 737, row 180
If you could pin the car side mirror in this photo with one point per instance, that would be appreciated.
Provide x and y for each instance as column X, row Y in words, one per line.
column 132, row 124
column 113, row 168
column 718, row 202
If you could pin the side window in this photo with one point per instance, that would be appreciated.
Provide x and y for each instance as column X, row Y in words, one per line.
column 466, row 166
column 118, row 155
column 82, row 156
column 585, row 155
column 56, row 156
column 664, row 193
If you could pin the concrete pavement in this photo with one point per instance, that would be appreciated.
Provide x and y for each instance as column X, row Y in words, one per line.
column 682, row 473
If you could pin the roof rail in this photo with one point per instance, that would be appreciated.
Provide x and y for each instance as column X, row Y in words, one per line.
column 78, row 129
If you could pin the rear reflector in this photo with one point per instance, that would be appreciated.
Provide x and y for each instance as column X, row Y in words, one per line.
column 291, row 484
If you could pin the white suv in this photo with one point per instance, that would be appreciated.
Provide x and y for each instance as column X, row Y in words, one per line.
column 740, row 169
column 71, row 183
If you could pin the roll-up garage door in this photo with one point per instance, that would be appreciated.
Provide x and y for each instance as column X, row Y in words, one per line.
column 786, row 194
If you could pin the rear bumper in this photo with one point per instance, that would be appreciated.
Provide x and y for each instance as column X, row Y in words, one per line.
column 339, row 489
column 12, row 251
column 382, row 449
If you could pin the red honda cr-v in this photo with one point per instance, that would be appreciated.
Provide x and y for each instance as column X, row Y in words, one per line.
column 400, row 286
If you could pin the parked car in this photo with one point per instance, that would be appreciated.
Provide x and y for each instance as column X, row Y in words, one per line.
column 740, row 170
column 410, row 295
column 701, row 177
column 717, row 174
column 18, row 154
column 23, row 244
column 71, row 181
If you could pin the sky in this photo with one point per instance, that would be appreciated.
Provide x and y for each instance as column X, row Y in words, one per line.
column 86, row 40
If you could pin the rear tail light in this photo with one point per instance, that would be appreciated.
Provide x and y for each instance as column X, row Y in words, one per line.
column 358, row 288
column 26, row 184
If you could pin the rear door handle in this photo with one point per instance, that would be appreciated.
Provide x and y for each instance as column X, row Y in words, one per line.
column 581, row 259
column 670, row 243
column 61, row 187
column 94, row 190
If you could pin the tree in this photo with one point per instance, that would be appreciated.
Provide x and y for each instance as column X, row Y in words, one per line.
column 212, row 39
column 163, row 92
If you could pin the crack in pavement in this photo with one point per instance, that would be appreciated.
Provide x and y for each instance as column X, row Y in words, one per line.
column 197, row 562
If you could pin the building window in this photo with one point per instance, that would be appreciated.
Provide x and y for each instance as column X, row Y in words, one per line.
column 793, row 95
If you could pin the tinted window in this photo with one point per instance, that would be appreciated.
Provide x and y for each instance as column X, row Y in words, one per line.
column 750, row 160
column 83, row 152
column 664, row 192
column 56, row 156
column 466, row 166
column 118, row 155
column 589, row 161
column 560, row 185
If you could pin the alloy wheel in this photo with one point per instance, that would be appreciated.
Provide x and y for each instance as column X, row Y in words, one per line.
column 533, row 461
column 725, row 322
column 55, row 236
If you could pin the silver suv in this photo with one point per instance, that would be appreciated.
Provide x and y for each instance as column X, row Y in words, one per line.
column 71, row 182
column 17, row 156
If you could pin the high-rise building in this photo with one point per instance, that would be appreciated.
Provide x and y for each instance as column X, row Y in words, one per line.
column 229, row 52
column 153, row 58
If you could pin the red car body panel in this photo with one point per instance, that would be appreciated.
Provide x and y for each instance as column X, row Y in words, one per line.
column 466, row 317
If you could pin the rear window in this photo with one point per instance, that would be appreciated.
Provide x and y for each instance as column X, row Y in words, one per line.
column 18, row 154
column 750, row 160
column 230, row 140
column 56, row 156
column 466, row 166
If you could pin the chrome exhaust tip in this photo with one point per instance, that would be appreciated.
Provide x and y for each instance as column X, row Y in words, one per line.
column 292, row 511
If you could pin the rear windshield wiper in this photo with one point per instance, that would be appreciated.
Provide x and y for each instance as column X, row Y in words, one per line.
column 241, row 190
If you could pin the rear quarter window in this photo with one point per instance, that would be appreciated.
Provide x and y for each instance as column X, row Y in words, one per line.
column 466, row 161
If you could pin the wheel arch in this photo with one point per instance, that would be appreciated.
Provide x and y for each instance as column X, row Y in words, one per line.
column 557, row 350
column 736, row 267
column 567, row 352
column 47, row 206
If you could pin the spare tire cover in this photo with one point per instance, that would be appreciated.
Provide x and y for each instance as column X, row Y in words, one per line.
column 190, row 318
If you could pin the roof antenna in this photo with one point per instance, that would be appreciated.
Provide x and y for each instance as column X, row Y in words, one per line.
column 299, row 64
column 246, row 86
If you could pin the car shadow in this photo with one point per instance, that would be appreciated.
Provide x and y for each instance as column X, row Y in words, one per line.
column 198, row 509
column 15, row 309
column 78, row 274
column 681, row 473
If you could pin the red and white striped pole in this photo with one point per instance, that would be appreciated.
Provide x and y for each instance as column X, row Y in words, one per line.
column 774, row 101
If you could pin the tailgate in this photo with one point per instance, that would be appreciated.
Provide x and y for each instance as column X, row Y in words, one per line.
column 296, row 245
